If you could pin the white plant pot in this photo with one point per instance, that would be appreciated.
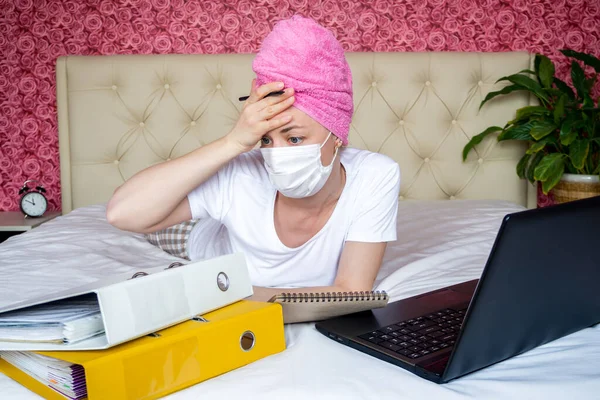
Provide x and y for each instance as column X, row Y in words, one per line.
column 575, row 187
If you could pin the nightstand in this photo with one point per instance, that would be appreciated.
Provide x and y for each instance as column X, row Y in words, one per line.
column 14, row 222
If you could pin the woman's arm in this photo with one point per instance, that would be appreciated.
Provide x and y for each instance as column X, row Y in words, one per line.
column 358, row 268
column 157, row 196
column 151, row 196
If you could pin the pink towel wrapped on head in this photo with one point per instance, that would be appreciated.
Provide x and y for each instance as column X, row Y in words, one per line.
column 307, row 57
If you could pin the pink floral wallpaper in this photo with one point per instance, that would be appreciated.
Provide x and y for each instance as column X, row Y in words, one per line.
column 33, row 33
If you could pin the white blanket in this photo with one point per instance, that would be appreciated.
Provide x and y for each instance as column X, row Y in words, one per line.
column 440, row 243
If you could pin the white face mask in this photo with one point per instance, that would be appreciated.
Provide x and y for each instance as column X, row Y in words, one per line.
column 296, row 171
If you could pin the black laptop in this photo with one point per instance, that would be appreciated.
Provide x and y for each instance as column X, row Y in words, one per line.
column 541, row 282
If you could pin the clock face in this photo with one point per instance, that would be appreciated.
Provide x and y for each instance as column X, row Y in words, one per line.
column 34, row 204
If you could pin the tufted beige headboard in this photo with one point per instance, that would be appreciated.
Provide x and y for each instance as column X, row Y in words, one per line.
column 120, row 114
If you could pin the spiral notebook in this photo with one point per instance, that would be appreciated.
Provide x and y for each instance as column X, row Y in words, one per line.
column 308, row 307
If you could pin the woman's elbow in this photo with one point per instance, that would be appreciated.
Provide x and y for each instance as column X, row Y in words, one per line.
column 116, row 213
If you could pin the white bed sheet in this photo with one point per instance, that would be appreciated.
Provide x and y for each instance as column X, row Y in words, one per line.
column 440, row 243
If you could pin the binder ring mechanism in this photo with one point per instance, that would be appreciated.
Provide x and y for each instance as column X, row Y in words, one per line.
column 142, row 273
column 197, row 318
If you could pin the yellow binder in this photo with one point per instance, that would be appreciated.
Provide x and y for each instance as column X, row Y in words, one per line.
column 180, row 356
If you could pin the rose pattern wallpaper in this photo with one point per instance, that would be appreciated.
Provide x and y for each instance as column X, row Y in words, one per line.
column 33, row 33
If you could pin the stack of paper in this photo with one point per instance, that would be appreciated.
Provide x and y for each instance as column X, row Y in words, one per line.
column 66, row 378
column 63, row 321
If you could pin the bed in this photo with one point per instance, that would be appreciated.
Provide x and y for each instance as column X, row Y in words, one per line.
column 119, row 114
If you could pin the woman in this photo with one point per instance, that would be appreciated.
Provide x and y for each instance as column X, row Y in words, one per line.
column 307, row 213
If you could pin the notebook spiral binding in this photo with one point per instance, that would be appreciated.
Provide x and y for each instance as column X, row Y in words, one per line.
column 334, row 297
column 142, row 273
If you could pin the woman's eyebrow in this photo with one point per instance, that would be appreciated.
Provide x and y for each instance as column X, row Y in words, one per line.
column 289, row 128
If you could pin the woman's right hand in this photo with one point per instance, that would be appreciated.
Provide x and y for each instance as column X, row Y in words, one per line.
column 260, row 115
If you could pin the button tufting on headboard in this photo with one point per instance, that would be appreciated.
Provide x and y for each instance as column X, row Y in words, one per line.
column 418, row 108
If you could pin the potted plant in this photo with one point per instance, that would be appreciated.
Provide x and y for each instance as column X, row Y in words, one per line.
column 563, row 130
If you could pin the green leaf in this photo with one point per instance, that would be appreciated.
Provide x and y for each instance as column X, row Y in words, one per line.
column 526, row 112
column 536, row 64
column 531, row 110
column 537, row 146
column 559, row 108
column 567, row 135
column 578, row 151
column 546, row 71
column 587, row 123
column 522, row 164
column 562, row 85
column 588, row 84
column 535, row 160
column 568, row 139
column 549, row 184
column 504, row 90
column 554, row 92
column 586, row 58
column 578, row 78
column 516, row 132
column 542, row 128
column 475, row 140
column 550, row 170
column 527, row 83
column 527, row 71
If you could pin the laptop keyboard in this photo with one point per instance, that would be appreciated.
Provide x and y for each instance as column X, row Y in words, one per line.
column 418, row 337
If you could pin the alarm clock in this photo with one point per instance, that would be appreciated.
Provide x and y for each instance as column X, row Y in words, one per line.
column 33, row 202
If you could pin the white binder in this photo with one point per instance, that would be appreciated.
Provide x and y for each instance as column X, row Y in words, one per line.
column 134, row 305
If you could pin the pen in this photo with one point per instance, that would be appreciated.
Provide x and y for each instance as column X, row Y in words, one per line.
column 278, row 93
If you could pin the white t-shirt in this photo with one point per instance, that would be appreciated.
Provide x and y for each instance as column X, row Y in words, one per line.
column 238, row 202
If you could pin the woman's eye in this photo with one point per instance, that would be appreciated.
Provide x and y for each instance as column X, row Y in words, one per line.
column 295, row 140
column 265, row 141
